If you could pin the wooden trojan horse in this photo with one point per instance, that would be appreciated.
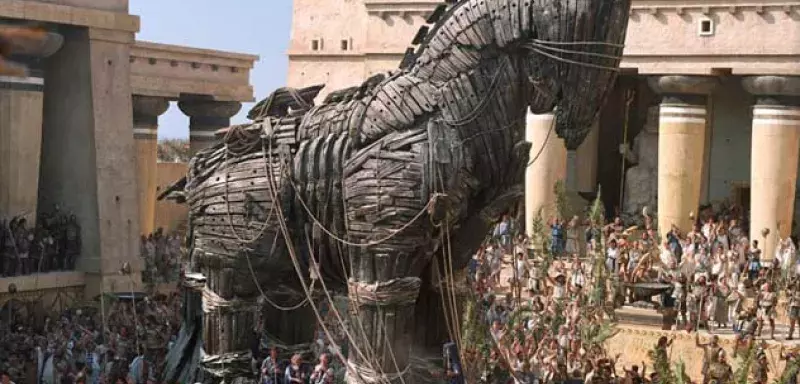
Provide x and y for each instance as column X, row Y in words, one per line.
column 384, row 182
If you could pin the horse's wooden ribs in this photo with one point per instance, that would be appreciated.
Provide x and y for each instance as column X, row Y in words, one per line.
column 372, row 157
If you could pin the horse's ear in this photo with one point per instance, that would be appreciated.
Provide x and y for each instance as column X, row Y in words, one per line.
column 420, row 36
column 437, row 14
column 408, row 59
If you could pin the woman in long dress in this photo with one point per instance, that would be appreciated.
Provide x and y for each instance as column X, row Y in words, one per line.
column 721, row 302
column 572, row 237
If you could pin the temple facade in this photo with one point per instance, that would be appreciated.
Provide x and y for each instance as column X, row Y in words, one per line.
column 706, row 110
column 81, row 131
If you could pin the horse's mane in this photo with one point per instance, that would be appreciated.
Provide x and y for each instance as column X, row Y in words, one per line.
column 277, row 103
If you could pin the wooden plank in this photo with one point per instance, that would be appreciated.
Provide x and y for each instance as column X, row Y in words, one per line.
column 392, row 98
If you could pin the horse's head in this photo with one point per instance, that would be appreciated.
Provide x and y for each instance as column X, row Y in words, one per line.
column 572, row 58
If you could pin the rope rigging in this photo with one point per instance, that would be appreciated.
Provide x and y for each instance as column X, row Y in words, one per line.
column 239, row 141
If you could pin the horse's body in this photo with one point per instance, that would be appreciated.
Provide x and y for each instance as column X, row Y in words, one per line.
column 378, row 178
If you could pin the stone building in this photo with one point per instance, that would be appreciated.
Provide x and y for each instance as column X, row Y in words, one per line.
column 722, row 74
column 81, row 130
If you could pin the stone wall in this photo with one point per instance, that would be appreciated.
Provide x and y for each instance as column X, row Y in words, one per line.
column 634, row 343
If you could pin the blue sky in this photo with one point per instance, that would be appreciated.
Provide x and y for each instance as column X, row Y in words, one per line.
column 259, row 27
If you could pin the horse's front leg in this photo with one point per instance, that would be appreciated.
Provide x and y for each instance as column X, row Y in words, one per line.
column 386, row 206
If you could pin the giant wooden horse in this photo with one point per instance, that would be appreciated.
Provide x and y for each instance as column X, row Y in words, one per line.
column 370, row 188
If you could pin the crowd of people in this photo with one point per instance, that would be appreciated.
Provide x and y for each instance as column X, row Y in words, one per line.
column 124, row 340
column 53, row 244
column 547, row 302
column 162, row 257
column 549, row 321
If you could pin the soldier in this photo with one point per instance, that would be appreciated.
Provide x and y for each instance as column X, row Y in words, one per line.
column 4, row 244
column 73, row 241
column 711, row 353
column 791, row 359
column 720, row 372
column 767, row 300
column 679, row 294
column 11, row 251
column 794, row 305
column 49, row 250
column 24, row 241
column 760, row 370
column 747, row 325
column 695, row 303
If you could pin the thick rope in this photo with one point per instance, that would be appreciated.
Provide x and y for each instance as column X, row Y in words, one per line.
column 402, row 291
column 574, row 62
column 544, row 143
column 574, row 52
column 603, row 43
column 322, row 227
column 339, row 318
column 484, row 102
column 266, row 298
column 369, row 375
column 296, row 265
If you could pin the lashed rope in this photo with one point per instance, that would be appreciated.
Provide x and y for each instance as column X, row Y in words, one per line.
column 402, row 291
column 369, row 375
column 213, row 302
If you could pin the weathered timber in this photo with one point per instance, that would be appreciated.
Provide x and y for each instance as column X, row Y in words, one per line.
column 366, row 182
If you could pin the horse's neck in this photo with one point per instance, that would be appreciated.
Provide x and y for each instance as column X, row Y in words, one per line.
column 486, row 106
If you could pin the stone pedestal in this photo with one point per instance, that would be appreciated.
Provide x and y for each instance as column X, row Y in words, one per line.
column 774, row 153
column 205, row 118
column 21, row 101
column 547, row 164
column 681, row 143
column 145, row 135
column 586, row 160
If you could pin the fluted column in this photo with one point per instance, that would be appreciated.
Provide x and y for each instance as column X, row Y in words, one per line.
column 146, row 111
column 21, row 106
column 774, row 153
column 682, row 128
column 205, row 118
column 547, row 164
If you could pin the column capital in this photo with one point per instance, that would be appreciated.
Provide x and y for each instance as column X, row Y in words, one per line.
column 146, row 110
column 206, row 117
column 209, row 108
column 773, row 90
column 149, row 105
column 683, row 89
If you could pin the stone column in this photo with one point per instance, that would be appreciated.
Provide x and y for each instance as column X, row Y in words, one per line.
column 88, row 153
column 587, row 161
column 774, row 153
column 682, row 128
column 571, row 175
column 21, row 101
column 547, row 164
column 205, row 118
column 145, row 135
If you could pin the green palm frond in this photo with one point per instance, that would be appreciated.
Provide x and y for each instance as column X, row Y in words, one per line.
column 792, row 368
column 746, row 360
column 597, row 211
column 680, row 373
